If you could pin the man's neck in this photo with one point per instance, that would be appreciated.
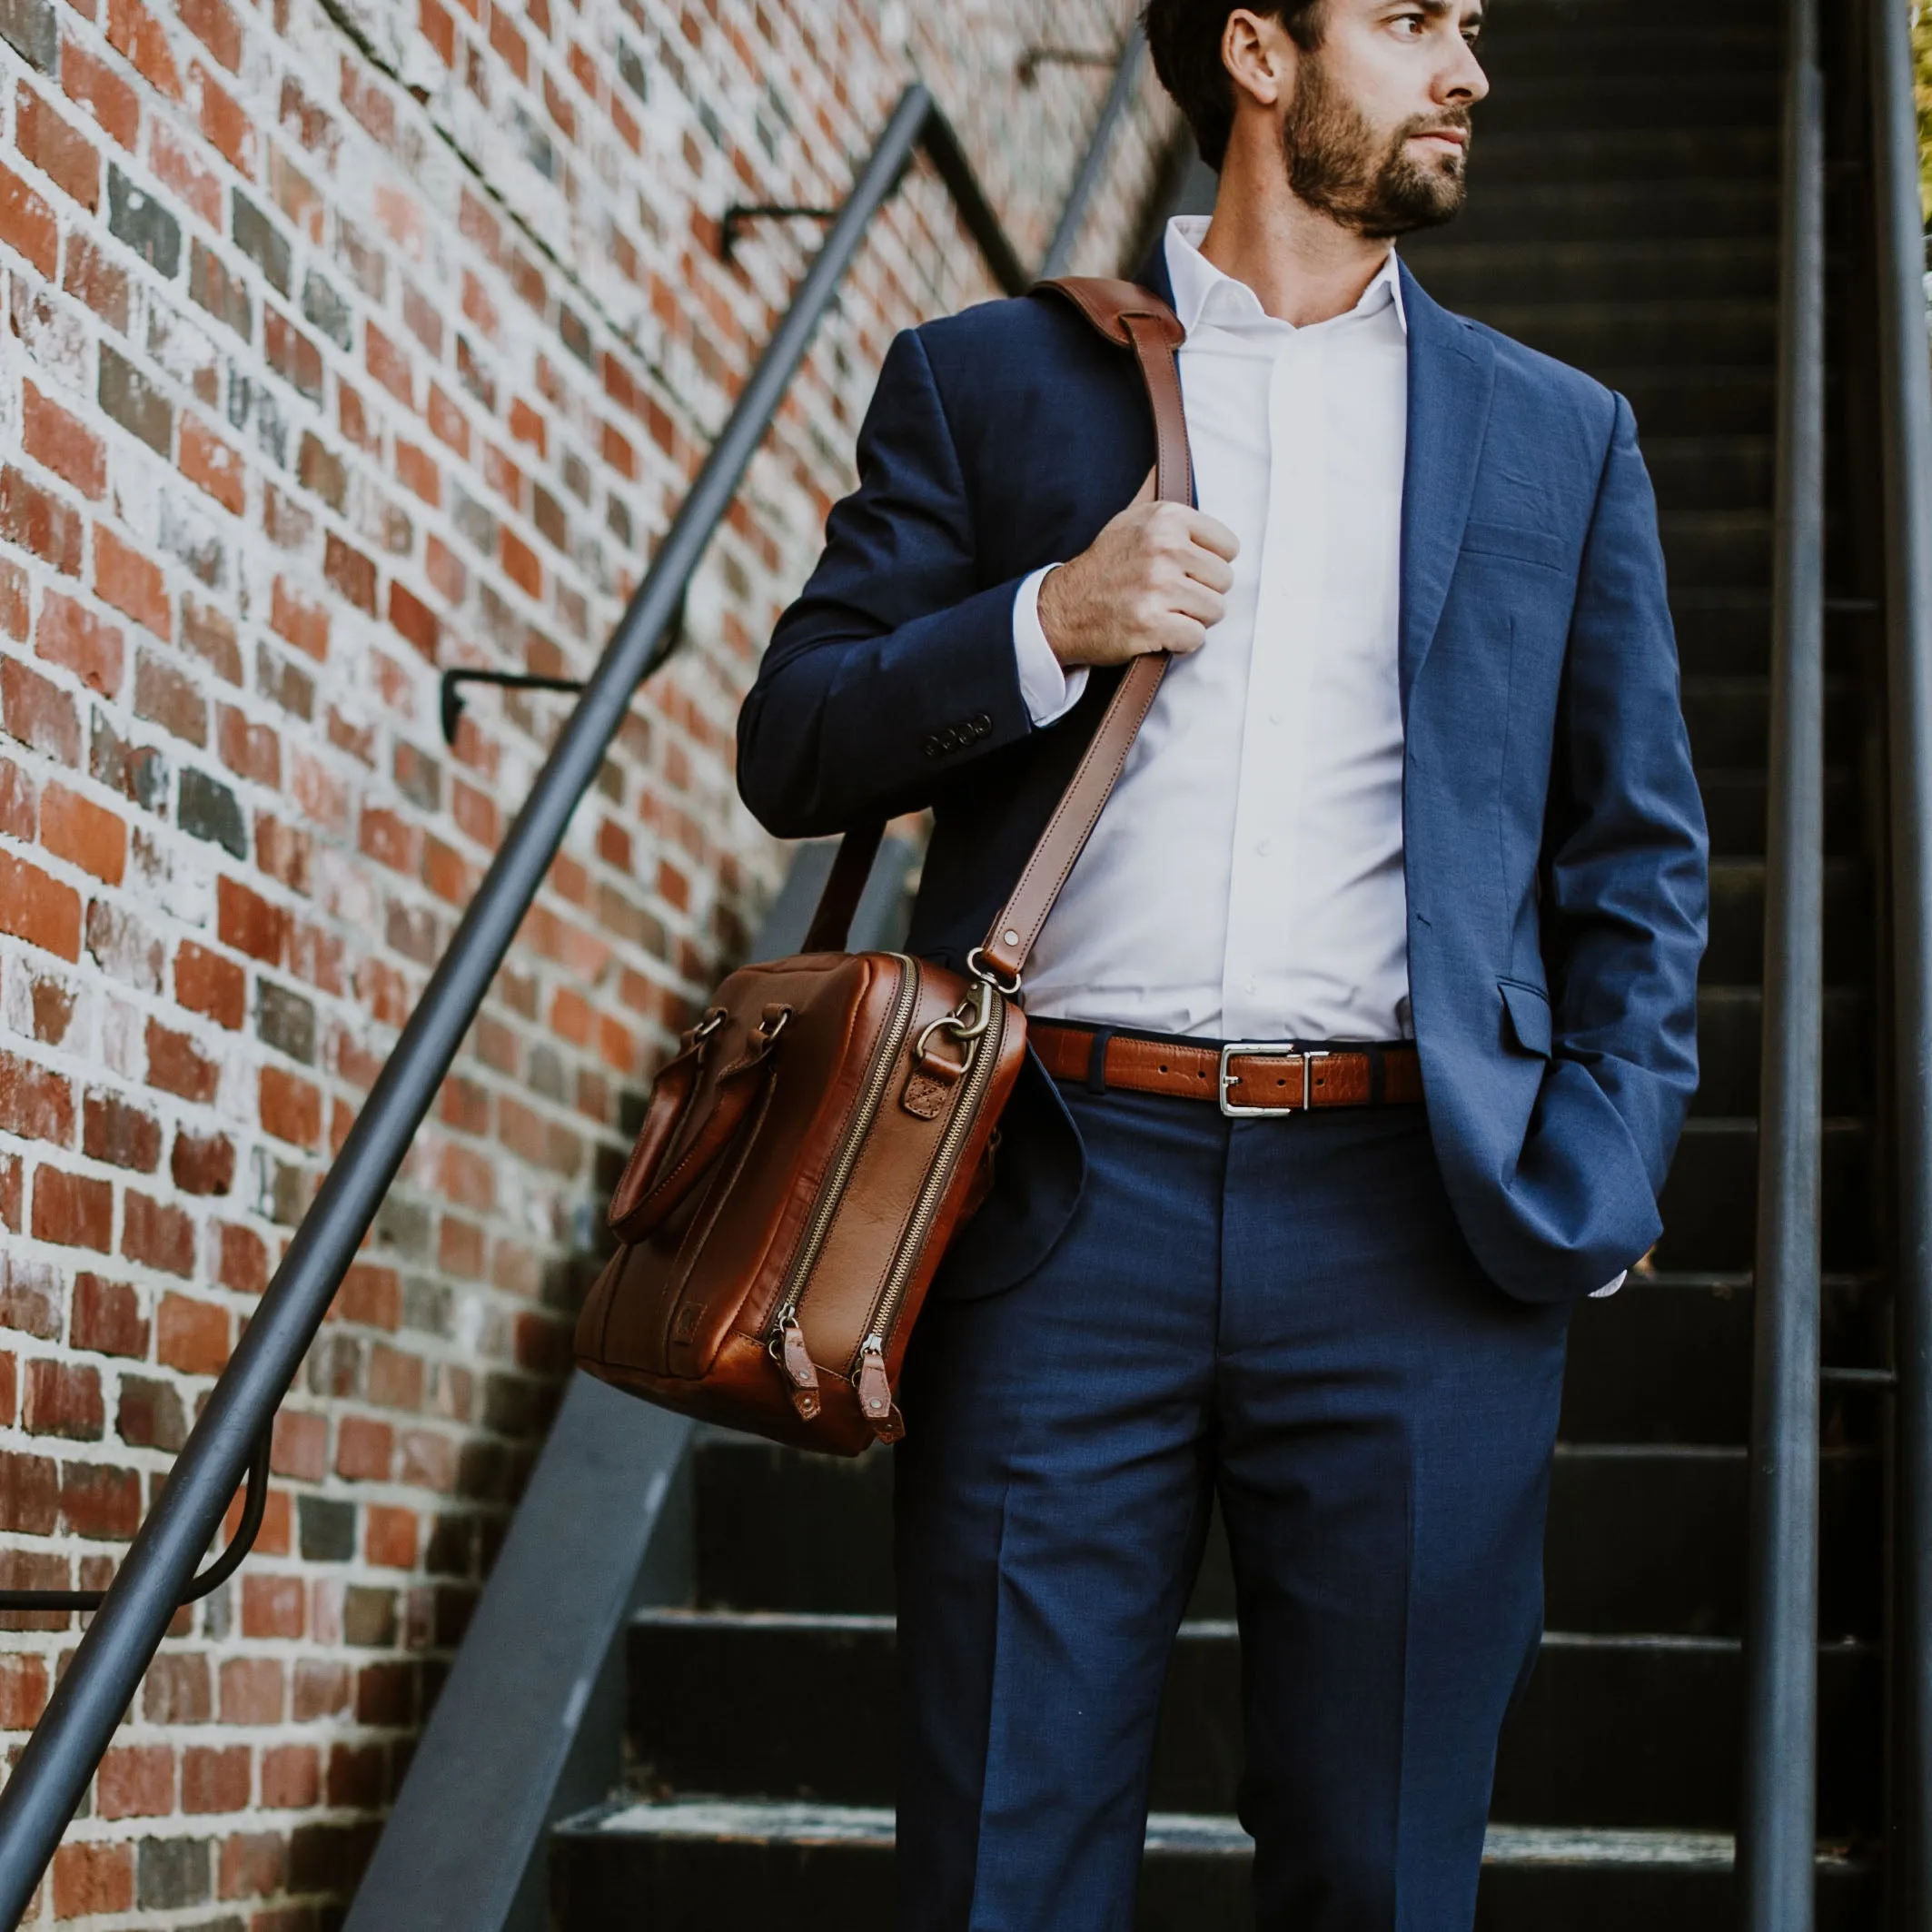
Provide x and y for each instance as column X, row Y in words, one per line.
column 1302, row 266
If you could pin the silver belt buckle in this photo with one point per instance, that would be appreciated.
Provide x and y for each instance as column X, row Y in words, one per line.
column 1264, row 1050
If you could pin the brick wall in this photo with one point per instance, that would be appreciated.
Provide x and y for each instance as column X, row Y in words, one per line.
column 345, row 340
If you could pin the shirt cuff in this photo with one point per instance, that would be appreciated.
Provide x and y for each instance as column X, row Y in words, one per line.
column 1050, row 691
column 1597, row 1294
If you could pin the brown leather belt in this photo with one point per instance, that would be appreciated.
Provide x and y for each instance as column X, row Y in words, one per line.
column 1242, row 1078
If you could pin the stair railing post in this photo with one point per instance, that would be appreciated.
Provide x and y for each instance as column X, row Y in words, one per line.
column 1905, row 393
column 1776, row 1809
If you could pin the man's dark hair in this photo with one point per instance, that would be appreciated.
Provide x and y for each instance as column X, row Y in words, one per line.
column 1184, row 38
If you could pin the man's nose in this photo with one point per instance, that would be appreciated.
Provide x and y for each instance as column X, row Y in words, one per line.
column 1463, row 82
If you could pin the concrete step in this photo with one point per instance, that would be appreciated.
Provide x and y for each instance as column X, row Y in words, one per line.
column 1668, row 1361
column 1618, row 1730
column 1731, row 1027
column 715, row 1864
column 1736, row 952
column 1710, row 1199
column 1711, row 472
column 1715, row 399
column 1661, row 155
column 1612, row 210
column 1464, row 274
column 1586, row 333
column 1571, row 99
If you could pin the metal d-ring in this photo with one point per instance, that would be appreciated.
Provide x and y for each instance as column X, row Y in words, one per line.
column 976, row 964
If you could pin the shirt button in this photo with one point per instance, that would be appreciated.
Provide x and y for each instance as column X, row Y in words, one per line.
column 1274, row 718
column 1263, row 846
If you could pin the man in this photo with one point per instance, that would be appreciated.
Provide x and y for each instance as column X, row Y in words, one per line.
column 1414, row 808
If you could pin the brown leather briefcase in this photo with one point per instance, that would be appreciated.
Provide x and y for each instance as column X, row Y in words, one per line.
column 831, row 1119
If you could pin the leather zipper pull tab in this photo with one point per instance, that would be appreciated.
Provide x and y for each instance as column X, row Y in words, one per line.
column 800, row 1370
column 875, row 1391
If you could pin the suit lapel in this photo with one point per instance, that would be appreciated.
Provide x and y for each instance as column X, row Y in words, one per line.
column 1452, row 375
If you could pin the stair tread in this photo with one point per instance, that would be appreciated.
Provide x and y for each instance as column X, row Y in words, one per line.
column 801, row 1821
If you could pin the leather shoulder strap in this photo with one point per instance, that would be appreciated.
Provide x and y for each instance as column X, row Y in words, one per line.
column 1131, row 317
column 1135, row 317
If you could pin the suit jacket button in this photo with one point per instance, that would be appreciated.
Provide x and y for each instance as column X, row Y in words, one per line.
column 982, row 724
column 933, row 747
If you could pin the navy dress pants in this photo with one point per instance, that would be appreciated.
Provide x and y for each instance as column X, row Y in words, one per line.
column 1282, row 1314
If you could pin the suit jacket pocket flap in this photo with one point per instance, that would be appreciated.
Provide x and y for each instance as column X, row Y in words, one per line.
column 1529, row 1012
column 1520, row 544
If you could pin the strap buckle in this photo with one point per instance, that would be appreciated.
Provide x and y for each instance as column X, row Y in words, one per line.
column 1264, row 1050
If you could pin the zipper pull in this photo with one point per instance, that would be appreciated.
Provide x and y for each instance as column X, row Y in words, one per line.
column 875, row 1391
column 799, row 1368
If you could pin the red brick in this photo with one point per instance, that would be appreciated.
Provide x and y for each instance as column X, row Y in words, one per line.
column 291, row 1108
column 135, row 34
column 251, row 1690
column 62, row 443
column 203, row 1164
column 520, row 564
column 13, row 1184
column 253, row 1865
column 94, row 279
column 167, row 696
column 177, row 1689
column 291, row 1777
column 132, row 584
column 370, row 1296
column 38, row 522
column 117, row 1131
column 96, row 85
column 39, row 909
column 27, row 224
column 72, row 1210
column 62, row 152
column 305, row 624
column 72, row 635
column 215, row 27
column 174, row 160
column 243, row 1260
column 88, row 835
column 213, row 465
column 204, row 982
column 29, row 1494
column 251, row 750
column 30, row 1296
column 65, row 1399
column 99, row 1502
column 90, row 1878
column 389, row 1537
column 224, row 121
column 177, row 1066
column 136, row 1781
column 22, row 1691
column 216, row 1779
column 351, row 573
column 246, row 921
column 158, row 1234
column 271, row 1606
column 106, row 1318
column 413, row 620
column 363, row 1448
column 301, row 1445
column 35, row 1102
column 190, row 1335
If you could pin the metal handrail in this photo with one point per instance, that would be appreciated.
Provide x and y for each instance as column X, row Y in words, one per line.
column 1777, row 1804
column 1905, row 410
column 51, row 1775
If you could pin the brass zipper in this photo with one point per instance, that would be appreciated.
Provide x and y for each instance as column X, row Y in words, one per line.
column 789, row 1351
column 868, row 1366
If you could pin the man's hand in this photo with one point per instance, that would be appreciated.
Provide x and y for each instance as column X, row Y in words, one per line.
column 1153, row 579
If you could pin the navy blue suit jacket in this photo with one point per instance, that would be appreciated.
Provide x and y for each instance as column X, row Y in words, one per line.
column 1555, row 849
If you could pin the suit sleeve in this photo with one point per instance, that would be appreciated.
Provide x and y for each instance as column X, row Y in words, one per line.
column 1625, row 886
column 895, row 668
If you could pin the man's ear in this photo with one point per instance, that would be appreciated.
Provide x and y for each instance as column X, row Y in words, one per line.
column 1259, row 57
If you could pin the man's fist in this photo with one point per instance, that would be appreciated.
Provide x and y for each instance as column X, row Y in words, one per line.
column 1153, row 579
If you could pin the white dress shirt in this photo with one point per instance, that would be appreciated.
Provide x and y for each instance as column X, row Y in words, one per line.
column 1245, row 879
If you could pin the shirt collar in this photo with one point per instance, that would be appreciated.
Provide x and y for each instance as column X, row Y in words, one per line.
column 1200, row 289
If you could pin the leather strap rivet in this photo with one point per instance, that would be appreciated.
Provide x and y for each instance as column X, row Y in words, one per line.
column 1011, row 938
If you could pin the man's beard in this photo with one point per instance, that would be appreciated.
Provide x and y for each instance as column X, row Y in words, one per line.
column 1337, row 164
